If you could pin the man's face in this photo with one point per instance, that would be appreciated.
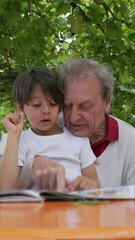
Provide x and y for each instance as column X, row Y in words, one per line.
column 84, row 106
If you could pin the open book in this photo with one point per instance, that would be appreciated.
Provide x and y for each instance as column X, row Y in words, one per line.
column 21, row 195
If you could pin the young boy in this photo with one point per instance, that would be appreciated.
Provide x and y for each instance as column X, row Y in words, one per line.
column 38, row 97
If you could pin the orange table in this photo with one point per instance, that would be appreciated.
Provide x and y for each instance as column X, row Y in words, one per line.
column 67, row 220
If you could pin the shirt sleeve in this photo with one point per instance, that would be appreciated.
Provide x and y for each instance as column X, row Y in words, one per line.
column 87, row 155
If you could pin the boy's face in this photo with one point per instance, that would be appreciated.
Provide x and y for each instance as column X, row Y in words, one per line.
column 42, row 112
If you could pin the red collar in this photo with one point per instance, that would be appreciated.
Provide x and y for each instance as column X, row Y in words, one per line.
column 112, row 130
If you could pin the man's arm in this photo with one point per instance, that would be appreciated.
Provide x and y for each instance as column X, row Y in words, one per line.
column 43, row 172
column 25, row 179
column 89, row 180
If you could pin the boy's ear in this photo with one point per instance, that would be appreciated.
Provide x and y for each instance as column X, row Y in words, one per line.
column 19, row 109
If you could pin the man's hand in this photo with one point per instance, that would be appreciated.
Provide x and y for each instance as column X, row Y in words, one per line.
column 47, row 174
column 82, row 183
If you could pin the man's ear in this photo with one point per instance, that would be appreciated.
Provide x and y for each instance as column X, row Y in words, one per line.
column 107, row 108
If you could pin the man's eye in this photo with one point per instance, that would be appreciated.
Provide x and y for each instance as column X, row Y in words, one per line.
column 86, row 107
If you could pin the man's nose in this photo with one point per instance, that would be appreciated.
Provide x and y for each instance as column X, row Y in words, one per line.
column 75, row 115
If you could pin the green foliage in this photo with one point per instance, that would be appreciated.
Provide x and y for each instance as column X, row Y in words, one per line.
column 48, row 32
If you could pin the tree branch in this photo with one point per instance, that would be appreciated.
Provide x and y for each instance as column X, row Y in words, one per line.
column 107, row 9
column 6, row 57
column 28, row 5
column 85, row 17
column 5, row 34
column 44, row 16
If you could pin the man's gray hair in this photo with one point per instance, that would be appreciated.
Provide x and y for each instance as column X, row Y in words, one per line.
column 76, row 67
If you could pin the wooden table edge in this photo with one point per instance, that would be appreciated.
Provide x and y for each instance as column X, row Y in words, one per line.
column 80, row 234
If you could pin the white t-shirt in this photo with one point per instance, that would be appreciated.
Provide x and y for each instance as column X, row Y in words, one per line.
column 116, row 165
column 74, row 153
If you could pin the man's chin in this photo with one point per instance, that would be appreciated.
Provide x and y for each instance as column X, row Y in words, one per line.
column 79, row 133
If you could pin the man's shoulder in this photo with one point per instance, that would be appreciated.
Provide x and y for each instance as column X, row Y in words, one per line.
column 125, row 128
column 122, row 122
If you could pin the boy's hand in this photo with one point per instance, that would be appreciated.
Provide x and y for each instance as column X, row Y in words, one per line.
column 82, row 183
column 14, row 122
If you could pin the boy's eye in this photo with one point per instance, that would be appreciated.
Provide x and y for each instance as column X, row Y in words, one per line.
column 53, row 104
column 36, row 105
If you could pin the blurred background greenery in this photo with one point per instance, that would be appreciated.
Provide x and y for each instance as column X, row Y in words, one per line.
column 47, row 33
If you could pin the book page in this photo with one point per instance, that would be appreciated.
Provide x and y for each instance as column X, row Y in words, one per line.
column 20, row 195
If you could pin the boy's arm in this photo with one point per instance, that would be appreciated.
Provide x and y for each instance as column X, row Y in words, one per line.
column 89, row 180
column 9, row 170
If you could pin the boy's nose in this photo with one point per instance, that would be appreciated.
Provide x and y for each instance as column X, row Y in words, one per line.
column 45, row 109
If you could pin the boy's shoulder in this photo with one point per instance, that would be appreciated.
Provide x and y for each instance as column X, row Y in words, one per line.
column 26, row 133
column 75, row 138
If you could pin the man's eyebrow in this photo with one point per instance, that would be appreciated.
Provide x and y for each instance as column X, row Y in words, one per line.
column 81, row 103
column 66, row 101
column 85, row 102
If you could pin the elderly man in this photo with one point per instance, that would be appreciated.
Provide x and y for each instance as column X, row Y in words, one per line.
column 88, row 87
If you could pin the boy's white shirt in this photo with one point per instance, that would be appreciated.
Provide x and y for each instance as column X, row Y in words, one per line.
column 73, row 152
